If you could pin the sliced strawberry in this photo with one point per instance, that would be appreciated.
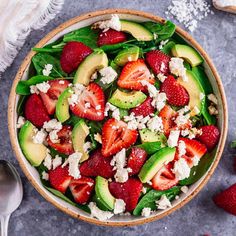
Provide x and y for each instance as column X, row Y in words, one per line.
column 176, row 94
column 115, row 136
column 133, row 73
column 64, row 144
column 50, row 98
column 111, row 37
column 227, row 199
column 144, row 109
column 82, row 189
column 158, row 61
column 164, row 178
column 129, row 192
column 136, row 160
column 35, row 111
column 72, row 55
column 210, row 136
column 93, row 95
column 97, row 165
column 59, row 178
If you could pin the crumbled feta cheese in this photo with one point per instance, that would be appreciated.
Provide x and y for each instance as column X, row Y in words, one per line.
column 195, row 160
column 119, row 159
column 90, row 184
column 87, row 146
column 119, row 206
column 184, row 189
column 149, row 182
column 163, row 66
column 48, row 161
column 136, row 122
column 122, row 175
column 52, row 125
column 113, row 23
column 98, row 137
column 39, row 136
column 212, row 98
column 94, row 76
column 173, row 138
column 196, row 110
column 181, row 148
column 20, row 122
column 177, row 68
column 163, row 203
column 185, row 132
column 155, row 124
column 53, row 136
column 144, row 190
column 163, row 43
column 76, row 92
column 114, row 109
column 98, row 107
column 153, row 92
column 193, row 132
column 176, row 197
column 33, row 89
column 61, row 82
column 146, row 211
column 159, row 101
column 182, row 119
column 45, row 175
column 108, row 75
column 181, row 169
column 47, row 69
column 212, row 110
column 43, row 87
column 99, row 214
column 184, row 110
column 161, row 77
column 87, row 105
column 57, row 161
column 202, row 96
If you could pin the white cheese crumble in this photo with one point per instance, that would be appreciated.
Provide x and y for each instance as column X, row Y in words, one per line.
column 163, row 203
column 76, row 91
column 115, row 111
column 42, row 87
column 181, row 169
column 33, row 89
column 212, row 110
column 151, row 88
column 159, row 101
column 201, row 96
column 212, row 98
column 155, row 124
column 185, row 132
column 57, row 161
column 61, row 82
column 87, row 146
column 87, row 105
column 53, row 136
column 196, row 110
column 136, row 122
column 184, row 189
column 144, row 190
column 108, row 75
column 99, row 214
column 113, row 23
column 45, row 176
column 94, row 76
column 52, row 125
column 163, row 43
column 177, row 68
column 193, row 132
column 195, row 160
column 20, row 122
column 40, row 136
column 173, row 138
column 47, row 69
column 119, row 206
column 181, row 148
column 48, row 161
column 146, row 212
column 161, row 77
column 98, row 137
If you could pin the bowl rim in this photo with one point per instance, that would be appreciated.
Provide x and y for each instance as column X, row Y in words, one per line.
column 54, row 32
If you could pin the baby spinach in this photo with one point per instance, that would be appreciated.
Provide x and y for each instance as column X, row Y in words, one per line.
column 20, row 105
column 49, row 50
column 167, row 47
column 73, row 120
column 150, row 147
column 112, row 47
column 150, row 198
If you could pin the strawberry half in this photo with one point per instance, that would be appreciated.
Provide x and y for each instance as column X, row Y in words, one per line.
column 136, row 160
column 93, row 95
column 97, row 165
column 210, row 136
column 115, row 136
column 133, row 73
column 73, row 54
column 176, row 94
column 59, row 178
column 50, row 98
column 144, row 109
column 64, row 144
column 35, row 111
column 129, row 192
column 164, row 178
column 82, row 189
column 158, row 61
column 227, row 200
column 111, row 37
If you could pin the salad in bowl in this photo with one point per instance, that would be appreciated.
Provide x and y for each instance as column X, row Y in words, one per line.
column 118, row 117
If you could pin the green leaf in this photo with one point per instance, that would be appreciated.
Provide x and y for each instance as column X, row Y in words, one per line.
column 73, row 120
column 53, row 153
column 167, row 47
column 233, row 144
column 112, row 47
column 94, row 127
column 84, row 35
column 20, row 105
column 49, row 50
column 198, row 171
column 150, row 147
column 150, row 198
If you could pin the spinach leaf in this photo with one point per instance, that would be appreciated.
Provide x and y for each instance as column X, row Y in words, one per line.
column 112, row 47
column 150, row 147
column 95, row 127
column 150, row 198
column 84, row 35
column 49, row 50
column 198, row 171
column 233, row 144
column 73, row 120
column 167, row 47
column 20, row 105
column 41, row 59
column 53, row 153
column 209, row 119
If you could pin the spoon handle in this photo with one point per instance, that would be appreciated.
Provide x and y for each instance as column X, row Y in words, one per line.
column 4, row 225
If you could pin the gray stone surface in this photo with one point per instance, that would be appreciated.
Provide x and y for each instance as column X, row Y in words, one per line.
column 36, row 217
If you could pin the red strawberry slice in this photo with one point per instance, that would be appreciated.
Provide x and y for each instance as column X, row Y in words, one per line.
column 93, row 95
column 210, row 136
column 115, row 136
column 144, row 109
column 50, row 98
column 176, row 94
column 133, row 73
column 136, row 160
column 227, row 200
column 35, row 111
column 64, row 144
column 158, row 61
column 82, row 189
column 129, row 192
column 97, row 165
column 164, row 178
column 73, row 54
column 59, row 178
column 111, row 37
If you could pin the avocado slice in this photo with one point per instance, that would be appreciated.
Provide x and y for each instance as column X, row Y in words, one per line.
column 34, row 152
column 103, row 193
column 155, row 163
column 62, row 106
column 147, row 135
column 126, row 55
column 79, row 134
column 95, row 61
column 136, row 30
column 188, row 53
column 194, row 88
column 127, row 100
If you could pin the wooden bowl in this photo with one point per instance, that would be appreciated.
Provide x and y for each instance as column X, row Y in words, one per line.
column 31, row 172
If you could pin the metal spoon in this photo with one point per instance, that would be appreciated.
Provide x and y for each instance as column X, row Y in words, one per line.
column 11, row 193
